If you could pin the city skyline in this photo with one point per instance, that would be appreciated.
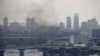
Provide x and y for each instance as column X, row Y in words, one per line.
column 67, row 17
column 70, row 22
column 18, row 10
column 32, row 25
column 50, row 27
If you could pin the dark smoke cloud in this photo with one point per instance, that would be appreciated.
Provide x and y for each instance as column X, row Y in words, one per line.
column 19, row 10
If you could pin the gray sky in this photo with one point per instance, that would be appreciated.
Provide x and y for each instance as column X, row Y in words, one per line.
column 49, row 11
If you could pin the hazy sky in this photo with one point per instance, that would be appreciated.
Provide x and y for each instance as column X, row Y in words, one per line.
column 49, row 11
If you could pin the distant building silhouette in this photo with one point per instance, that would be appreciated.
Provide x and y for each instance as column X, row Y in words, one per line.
column 15, row 26
column 87, row 27
column 30, row 24
column 90, row 24
column 84, row 25
column 76, row 22
column 62, row 26
column 33, row 24
column 68, row 23
column 5, row 23
column 1, row 31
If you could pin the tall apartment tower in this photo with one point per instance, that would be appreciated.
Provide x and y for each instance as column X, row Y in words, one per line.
column 76, row 22
column 33, row 24
column 62, row 26
column 68, row 25
column 5, row 23
column 28, row 24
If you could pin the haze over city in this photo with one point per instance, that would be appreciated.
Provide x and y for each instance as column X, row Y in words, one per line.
column 49, row 11
column 49, row 27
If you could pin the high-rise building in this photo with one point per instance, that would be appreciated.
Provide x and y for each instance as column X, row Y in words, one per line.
column 76, row 22
column 5, row 23
column 15, row 26
column 87, row 27
column 90, row 24
column 84, row 25
column 68, row 23
column 30, row 24
column 1, row 32
column 33, row 25
column 62, row 26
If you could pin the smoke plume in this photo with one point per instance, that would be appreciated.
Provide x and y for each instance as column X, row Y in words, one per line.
column 19, row 10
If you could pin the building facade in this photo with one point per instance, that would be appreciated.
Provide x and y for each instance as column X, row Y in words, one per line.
column 30, row 24
column 68, row 23
column 5, row 23
column 76, row 22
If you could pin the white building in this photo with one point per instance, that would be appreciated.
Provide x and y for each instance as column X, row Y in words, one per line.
column 76, row 22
